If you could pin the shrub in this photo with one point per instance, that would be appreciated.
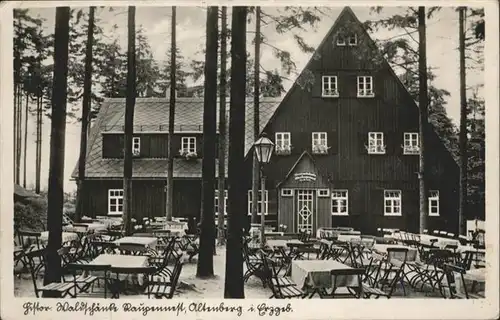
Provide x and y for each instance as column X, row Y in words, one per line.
column 31, row 215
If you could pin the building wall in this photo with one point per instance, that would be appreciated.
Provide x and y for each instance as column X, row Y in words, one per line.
column 148, row 197
column 153, row 145
column 347, row 121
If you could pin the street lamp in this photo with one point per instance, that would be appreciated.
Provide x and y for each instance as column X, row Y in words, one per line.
column 263, row 149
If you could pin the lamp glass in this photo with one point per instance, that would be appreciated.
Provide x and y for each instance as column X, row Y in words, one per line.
column 263, row 149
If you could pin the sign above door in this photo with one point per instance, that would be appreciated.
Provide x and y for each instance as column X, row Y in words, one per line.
column 305, row 176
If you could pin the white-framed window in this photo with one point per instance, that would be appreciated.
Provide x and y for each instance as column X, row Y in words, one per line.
column 260, row 207
column 340, row 202
column 411, row 143
column 392, row 202
column 319, row 143
column 216, row 203
column 329, row 86
column 136, row 146
column 433, row 203
column 340, row 40
column 352, row 40
column 115, row 201
column 365, row 86
column 323, row 193
column 188, row 145
column 375, row 143
column 286, row 192
column 283, row 143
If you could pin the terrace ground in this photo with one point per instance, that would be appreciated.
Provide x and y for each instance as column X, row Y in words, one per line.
column 191, row 287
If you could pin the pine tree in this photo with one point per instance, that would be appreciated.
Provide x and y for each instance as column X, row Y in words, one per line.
column 129, row 123
column 171, row 119
column 87, row 90
column 256, row 121
column 233, row 284
column 222, row 128
column 463, row 126
column 205, row 266
column 55, row 195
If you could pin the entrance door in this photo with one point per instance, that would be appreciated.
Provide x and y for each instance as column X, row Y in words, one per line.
column 305, row 210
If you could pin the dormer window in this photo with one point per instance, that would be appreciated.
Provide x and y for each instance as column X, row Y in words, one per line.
column 375, row 143
column 136, row 146
column 330, row 87
column 283, row 143
column 365, row 87
column 319, row 143
column 340, row 41
column 352, row 40
column 188, row 146
column 347, row 40
column 411, row 143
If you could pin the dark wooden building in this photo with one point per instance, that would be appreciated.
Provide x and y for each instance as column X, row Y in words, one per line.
column 103, row 185
column 347, row 146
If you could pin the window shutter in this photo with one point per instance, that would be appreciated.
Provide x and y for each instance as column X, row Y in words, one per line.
column 317, row 86
column 333, row 142
column 363, row 140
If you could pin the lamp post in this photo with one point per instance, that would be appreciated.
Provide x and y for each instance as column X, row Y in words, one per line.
column 263, row 149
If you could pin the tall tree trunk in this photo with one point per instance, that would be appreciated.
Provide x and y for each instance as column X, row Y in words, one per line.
column 25, row 143
column 171, row 119
column 16, row 98
column 38, row 143
column 463, row 126
column 233, row 285
column 87, row 92
column 19, row 144
column 205, row 267
column 423, row 113
column 55, row 195
column 222, row 126
column 256, row 121
column 129, row 123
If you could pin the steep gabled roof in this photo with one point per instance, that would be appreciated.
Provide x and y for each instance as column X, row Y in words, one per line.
column 292, row 169
column 346, row 11
column 151, row 115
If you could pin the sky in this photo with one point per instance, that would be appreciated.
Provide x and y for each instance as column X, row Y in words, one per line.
column 442, row 54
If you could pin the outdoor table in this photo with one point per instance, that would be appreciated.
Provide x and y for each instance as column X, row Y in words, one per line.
column 145, row 241
column 348, row 237
column 96, row 226
column 122, row 261
column 325, row 233
column 382, row 248
column 441, row 243
column 284, row 243
column 176, row 232
column 475, row 280
column 66, row 236
column 315, row 276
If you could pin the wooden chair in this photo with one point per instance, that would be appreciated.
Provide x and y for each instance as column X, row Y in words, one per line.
column 389, row 272
column 134, row 249
column 86, row 275
column 30, row 240
column 118, row 286
column 450, row 270
column 54, row 289
column 254, row 265
column 164, row 288
column 352, row 290
column 279, row 292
